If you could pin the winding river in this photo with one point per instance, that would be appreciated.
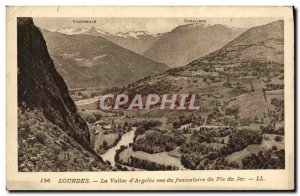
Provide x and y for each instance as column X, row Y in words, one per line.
column 109, row 155
column 127, row 138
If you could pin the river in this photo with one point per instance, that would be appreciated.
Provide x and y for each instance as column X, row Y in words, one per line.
column 127, row 138
column 109, row 155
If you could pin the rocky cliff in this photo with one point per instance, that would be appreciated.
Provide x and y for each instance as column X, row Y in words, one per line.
column 41, row 87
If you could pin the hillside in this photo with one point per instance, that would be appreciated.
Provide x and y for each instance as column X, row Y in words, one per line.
column 93, row 61
column 263, row 43
column 250, row 64
column 187, row 42
column 48, row 123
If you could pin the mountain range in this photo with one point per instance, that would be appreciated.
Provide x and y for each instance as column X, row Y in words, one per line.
column 136, row 41
column 196, row 46
column 90, row 61
column 175, row 48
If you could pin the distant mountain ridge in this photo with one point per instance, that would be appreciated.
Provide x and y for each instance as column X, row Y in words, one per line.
column 80, row 30
column 94, row 61
column 187, row 42
column 175, row 48
column 136, row 41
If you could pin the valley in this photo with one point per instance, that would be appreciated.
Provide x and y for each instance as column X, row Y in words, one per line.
column 241, row 117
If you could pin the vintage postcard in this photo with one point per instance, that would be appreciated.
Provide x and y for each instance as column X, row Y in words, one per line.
column 150, row 98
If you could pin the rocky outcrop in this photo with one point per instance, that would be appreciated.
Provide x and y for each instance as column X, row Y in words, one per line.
column 41, row 87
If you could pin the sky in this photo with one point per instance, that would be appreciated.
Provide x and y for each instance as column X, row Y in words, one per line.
column 152, row 25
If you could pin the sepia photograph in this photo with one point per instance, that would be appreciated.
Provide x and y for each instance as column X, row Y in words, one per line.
column 134, row 94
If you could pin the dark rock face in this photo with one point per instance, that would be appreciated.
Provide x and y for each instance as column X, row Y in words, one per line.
column 40, row 85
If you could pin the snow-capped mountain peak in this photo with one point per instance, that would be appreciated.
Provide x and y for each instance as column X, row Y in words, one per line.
column 134, row 34
column 66, row 30
column 79, row 30
column 95, row 31
column 69, row 30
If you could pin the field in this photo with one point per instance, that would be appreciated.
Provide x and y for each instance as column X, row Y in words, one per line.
column 160, row 158
column 252, row 105
column 267, row 144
